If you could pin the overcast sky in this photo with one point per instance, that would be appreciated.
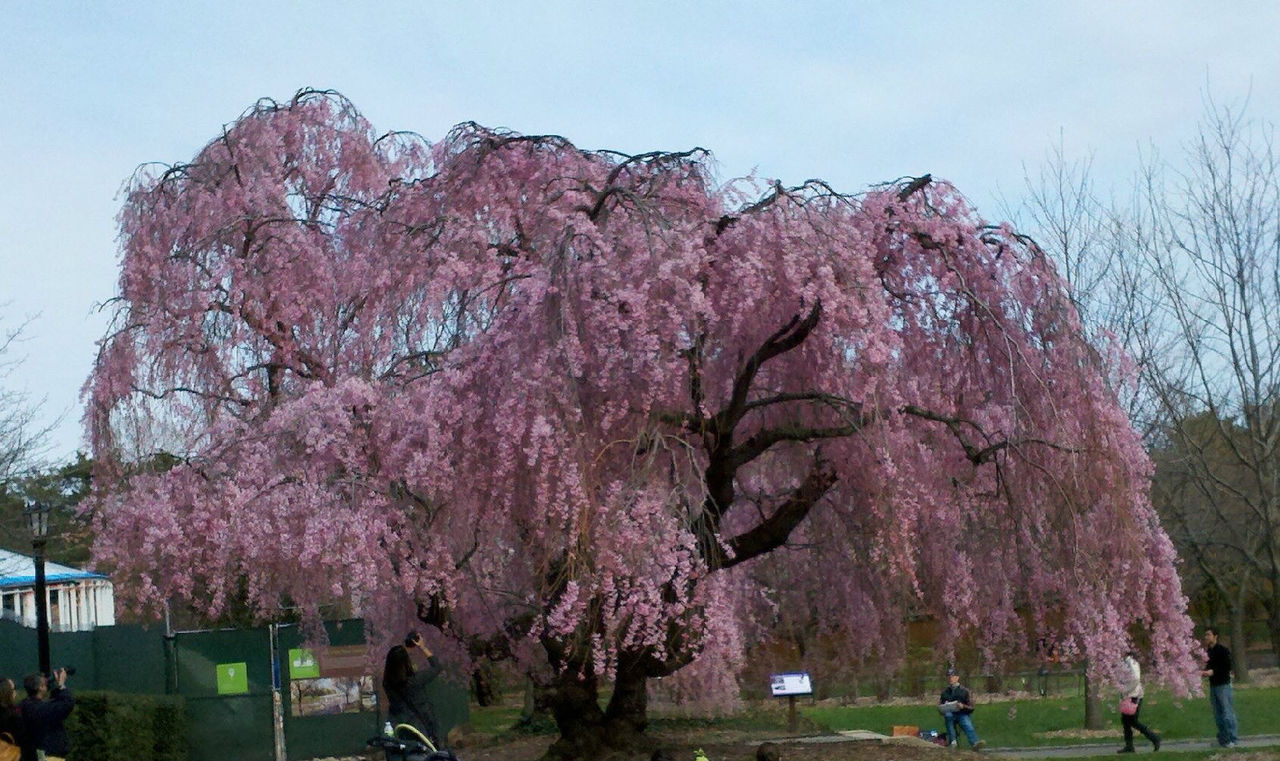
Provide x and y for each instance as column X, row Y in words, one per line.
column 852, row 92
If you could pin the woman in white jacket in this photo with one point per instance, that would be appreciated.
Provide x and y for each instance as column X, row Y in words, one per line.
column 1131, row 693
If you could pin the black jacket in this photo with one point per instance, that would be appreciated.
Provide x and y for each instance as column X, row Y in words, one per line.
column 44, row 721
column 958, row 693
column 410, row 704
column 1220, row 663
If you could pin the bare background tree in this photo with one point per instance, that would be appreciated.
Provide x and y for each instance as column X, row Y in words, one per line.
column 1209, row 235
column 1085, row 236
column 1090, row 240
column 1204, row 523
column 22, row 439
column 1185, row 279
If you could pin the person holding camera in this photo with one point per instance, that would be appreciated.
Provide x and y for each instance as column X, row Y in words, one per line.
column 44, row 713
column 406, row 687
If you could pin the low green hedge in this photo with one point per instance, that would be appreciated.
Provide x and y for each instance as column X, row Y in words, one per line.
column 113, row 726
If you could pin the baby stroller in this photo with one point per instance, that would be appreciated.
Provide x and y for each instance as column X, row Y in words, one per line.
column 408, row 744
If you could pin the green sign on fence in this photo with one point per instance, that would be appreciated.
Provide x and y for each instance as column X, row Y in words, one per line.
column 233, row 679
column 303, row 664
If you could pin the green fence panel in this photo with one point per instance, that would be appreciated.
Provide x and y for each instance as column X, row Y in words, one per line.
column 75, row 650
column 19, row 657
column 342, row 713
column 17, row 651
column 117, row 658
column 225, row 680
column 129, row 659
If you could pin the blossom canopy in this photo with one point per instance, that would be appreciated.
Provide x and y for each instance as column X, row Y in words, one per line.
column 605, row 414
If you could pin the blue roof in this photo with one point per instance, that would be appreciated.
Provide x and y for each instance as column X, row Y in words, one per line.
column 18, row 570
column 49, row 578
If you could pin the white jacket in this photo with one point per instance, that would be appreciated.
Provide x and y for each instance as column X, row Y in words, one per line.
column 1131, row 686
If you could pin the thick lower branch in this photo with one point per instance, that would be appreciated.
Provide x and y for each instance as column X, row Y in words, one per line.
column 774, row 531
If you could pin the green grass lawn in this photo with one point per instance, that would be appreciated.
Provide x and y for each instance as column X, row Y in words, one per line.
column 493, row 720
column 1018, row 723
column 1008, row 724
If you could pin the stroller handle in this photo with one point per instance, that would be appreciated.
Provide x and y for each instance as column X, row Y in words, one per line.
column 421, row 737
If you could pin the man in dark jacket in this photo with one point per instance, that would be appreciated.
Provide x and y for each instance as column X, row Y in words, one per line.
column 44, row 712
column 956, row 707
column 1218, row 669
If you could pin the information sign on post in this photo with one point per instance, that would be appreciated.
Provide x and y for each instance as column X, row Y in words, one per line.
column 790, row 685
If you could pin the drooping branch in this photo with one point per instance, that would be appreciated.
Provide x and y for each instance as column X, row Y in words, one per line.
column 166, row 393
column 976, row 455
column 727, row 221
column 610, row 188
column 785, row 339
column 774, row 531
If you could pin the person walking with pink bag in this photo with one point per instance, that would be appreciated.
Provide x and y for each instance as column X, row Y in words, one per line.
column 1131, row 702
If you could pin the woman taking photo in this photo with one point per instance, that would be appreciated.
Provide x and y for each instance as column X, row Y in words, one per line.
column 406, row 687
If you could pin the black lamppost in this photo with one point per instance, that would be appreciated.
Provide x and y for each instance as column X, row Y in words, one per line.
column 38, row 520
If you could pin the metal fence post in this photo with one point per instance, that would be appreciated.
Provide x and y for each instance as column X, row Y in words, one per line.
column 277, row 705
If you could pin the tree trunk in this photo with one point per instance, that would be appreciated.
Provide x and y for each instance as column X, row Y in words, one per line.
column 586, row 732
column 575, row 707
column 482, row 685
column 1273, row 620
column 628, row 712
column 1092, row 705
column 1239, row 645
column 883, row 683
column 530, row 710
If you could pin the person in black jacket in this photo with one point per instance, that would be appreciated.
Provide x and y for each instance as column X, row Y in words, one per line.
column 406, row 687
column 43, row 713
column 1218, row 669
column 956, row 706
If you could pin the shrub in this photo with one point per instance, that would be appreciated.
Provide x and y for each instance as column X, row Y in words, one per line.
column 112, row 726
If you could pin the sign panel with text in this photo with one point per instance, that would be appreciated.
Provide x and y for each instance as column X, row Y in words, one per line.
column 791, row 683
column 329, row 680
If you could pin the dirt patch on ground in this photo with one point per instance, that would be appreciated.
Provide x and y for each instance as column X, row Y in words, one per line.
column 731, row 746
column 723, row 746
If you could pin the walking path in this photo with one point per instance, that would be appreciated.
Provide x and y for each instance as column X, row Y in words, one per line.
column 1109, row 749
column 1053, row 751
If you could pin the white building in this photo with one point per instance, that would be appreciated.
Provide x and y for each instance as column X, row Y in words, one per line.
column 78, row 600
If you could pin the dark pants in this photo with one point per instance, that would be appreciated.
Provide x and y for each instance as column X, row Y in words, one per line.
column 1131, row 723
